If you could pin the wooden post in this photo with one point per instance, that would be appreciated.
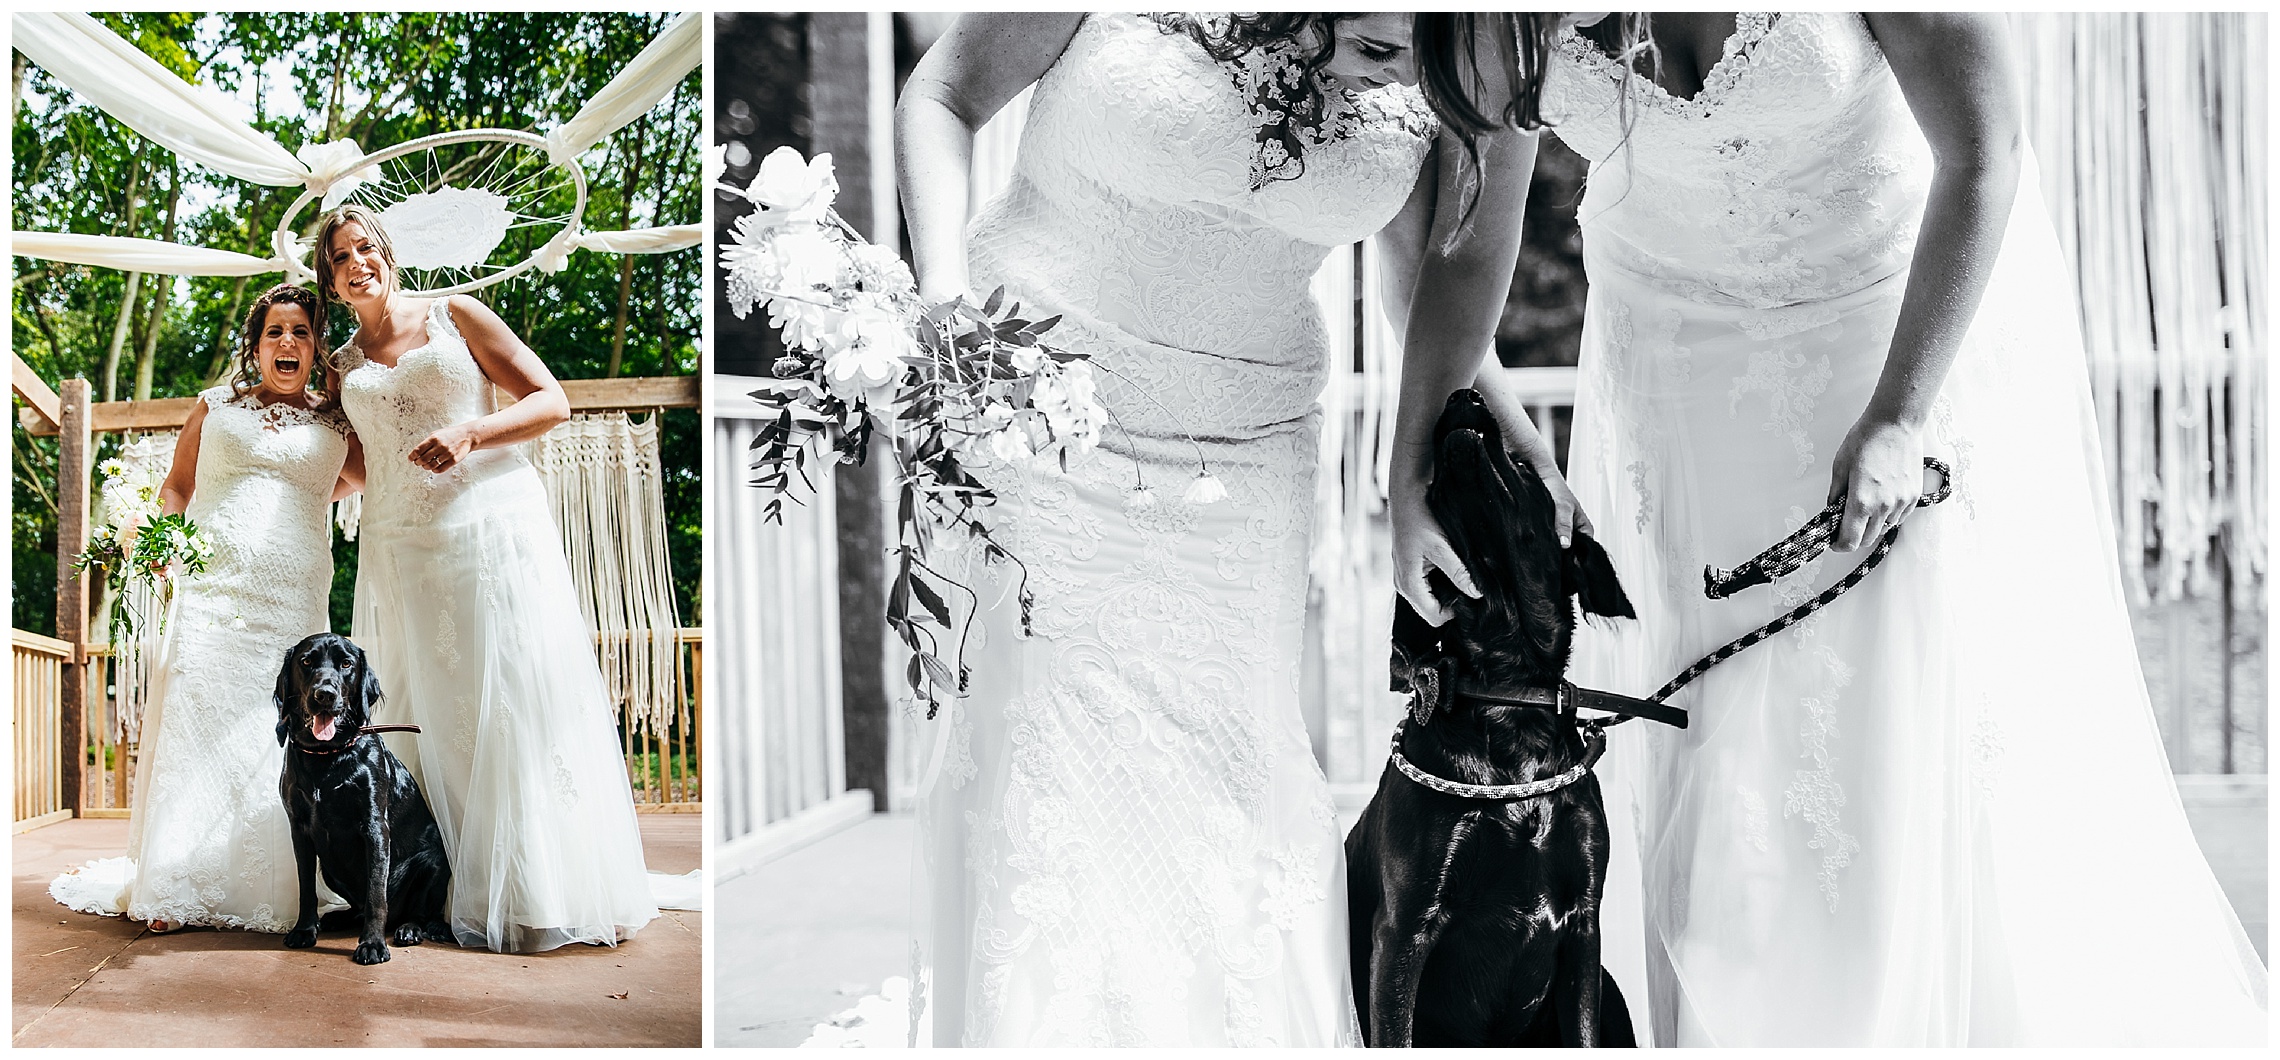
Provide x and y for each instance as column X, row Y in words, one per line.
column 839, row 76
column 72, row 497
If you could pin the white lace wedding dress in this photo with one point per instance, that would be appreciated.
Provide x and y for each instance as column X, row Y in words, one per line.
column 1127, row 836
column 207, row 842
column 465, row 605
column 1937, row 813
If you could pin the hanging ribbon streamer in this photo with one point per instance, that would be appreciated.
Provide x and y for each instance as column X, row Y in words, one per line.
column 200, row 126
column 678, row 48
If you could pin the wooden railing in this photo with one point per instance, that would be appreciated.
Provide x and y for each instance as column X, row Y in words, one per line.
column 662, row 766
column 778, row 735
column 38, row 738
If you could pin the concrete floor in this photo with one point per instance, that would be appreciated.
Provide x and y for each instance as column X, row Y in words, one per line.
column 811, row 934
column 103, row 981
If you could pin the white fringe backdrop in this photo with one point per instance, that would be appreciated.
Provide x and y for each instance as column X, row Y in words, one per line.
column 602, row 475
column 2151, row 132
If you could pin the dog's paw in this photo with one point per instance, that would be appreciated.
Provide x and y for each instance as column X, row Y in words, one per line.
column 408, row 935
column 440, row 932
column 301, row 938
column 370, row 953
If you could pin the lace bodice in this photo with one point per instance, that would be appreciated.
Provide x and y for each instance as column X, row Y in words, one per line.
column 397, row 407
column 1132, row 204
column 265, row 474
column 1799, row 150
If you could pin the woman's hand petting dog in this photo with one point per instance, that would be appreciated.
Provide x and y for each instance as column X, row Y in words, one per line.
column 1421, row 548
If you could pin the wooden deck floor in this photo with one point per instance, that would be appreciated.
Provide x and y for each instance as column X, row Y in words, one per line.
column 102, row 981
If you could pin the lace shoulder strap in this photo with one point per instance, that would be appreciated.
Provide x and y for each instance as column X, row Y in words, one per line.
column 335, row 418
column 439, row 313
column 217, row 396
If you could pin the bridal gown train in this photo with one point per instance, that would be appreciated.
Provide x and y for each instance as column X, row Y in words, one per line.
column 207, row 842
column 1125, row 836
column 1938, row 812
column 465, row 605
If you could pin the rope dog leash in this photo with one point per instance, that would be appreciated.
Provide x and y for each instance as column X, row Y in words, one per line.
column 1782, row 559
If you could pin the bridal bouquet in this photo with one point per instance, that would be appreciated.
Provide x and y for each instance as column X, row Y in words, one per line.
column 141, row 551
column 943, row 387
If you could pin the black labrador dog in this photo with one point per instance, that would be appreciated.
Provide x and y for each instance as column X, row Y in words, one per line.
column 354, row 808
column 1474, row 922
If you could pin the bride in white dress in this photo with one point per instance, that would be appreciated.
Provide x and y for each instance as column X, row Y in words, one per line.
column 1936, row 813
column 256, row 464
column 465, row 605
column 1126, row 837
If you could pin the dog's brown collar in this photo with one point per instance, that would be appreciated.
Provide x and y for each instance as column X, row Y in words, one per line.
column 1567, row 698
column 360, row 734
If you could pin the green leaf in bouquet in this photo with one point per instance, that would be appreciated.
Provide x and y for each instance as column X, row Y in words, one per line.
column 939, row 674
column 996, row 298
column 931, row 600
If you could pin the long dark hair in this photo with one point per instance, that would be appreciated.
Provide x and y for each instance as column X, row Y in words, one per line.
column 248, row 375
column 1449, row 56
column 1314, row 37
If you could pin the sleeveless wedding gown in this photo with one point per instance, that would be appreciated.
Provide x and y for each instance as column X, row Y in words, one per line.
column 465, row 606
column 207, row 842
column 1125, row 834
column 1936, row 813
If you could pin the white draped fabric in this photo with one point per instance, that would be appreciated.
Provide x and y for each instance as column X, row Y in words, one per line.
column 653, row 73
column 128, row 254
column 201, row 127
column 148, row 98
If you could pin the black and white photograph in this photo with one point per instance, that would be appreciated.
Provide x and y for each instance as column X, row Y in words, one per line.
column 355, row 529
column 1455, row 530
column 1490, row 529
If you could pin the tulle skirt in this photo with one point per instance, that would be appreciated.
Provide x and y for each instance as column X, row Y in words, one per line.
column 472, row 622
column 1938, row 812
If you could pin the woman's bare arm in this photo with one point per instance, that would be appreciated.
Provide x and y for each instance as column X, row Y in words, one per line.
column 983, row 61
column 1463, row 279
column 513, row 367
column 1956, row 71
column 351, row 480
column 182, row 476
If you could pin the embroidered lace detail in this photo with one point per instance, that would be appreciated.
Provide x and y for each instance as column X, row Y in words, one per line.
column 1987, row 751
column 1792, row 381
column 209, row 838
column 1298, row 111
column 1754, row 818
column 1815, row 794
column 1750, row 28
column 1128, row 813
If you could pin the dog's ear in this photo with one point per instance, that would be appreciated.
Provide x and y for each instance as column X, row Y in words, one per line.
column 1420, row 666
column 1587, row 574
column 368, row 693
column 286, row 690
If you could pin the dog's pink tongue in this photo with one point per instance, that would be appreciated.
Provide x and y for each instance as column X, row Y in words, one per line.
column 322, row 728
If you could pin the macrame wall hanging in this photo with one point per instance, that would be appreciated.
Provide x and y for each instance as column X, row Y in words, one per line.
column 2151, row 132
column 603, row 475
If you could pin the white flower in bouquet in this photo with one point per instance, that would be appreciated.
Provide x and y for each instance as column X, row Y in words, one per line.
column 1064, row 393
column 868, row 362
column 808, row 260
column 805, row 324
column 793, row 190
column 1206, row 489
column 1010, row 444
column 880, row 271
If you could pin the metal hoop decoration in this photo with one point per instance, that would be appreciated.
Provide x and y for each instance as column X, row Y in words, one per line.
column 284, row 237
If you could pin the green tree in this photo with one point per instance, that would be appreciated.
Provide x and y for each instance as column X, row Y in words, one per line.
column 379, row 79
